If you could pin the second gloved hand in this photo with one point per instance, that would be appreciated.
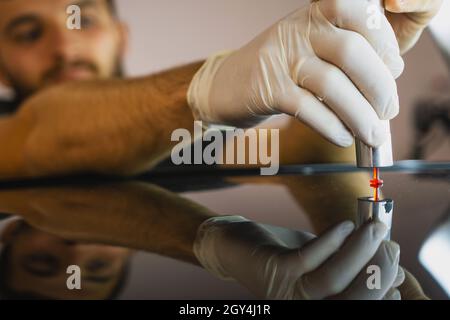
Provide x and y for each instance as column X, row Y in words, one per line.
column 322, row 64
column 278, row 263
column 409, row 18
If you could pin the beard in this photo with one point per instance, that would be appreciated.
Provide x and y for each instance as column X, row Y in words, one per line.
column 51, row 76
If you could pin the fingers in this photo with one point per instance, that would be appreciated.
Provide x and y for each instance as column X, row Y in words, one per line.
column 316, row 252
column 410, row 6
column 376, row 279
column 303, row 105
column 341, row 96
column 393, row 294
column 411, row 289
column 354, row 74
column 291, row 238
column 338, row 272
column 400, row 278
column 350, row 52
column 365, row 18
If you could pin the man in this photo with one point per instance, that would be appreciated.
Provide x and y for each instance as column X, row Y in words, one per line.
column 124, row 126
column 307, row 65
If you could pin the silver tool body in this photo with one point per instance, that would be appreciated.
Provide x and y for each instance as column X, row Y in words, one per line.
column 381, row 156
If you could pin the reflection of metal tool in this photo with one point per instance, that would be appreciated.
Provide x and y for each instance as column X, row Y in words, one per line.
column 371, row 210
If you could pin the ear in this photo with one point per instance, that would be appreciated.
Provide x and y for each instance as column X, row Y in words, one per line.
column 3, row 78
column 123, row 33
column 10, row 231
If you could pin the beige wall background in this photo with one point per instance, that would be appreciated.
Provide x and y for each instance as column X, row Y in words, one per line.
column 168, row 32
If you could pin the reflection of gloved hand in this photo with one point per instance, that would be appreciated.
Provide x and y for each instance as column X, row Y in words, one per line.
column 411, row 289
column 278, row 263
column 409, row 18
column 321, row 64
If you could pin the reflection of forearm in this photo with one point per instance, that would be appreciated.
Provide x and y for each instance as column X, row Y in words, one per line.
column 169, row 222
column 113, row 126
column 13, row 136
column 135, row 215
column 328, row 199
column 411, row 289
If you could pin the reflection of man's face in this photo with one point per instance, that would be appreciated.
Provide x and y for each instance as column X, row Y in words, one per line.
column 37, row 49
column 38, row 262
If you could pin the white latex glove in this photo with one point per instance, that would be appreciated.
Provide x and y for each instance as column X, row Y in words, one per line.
column 278, row 263
column 321, row 64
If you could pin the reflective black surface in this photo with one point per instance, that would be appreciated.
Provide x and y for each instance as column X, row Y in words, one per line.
column 132, row 238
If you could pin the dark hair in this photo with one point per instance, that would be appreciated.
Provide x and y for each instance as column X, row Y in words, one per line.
column 112, row 7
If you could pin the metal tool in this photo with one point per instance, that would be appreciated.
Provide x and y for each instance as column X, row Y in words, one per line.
column 374, row 208
column 379, row 157
column 369, row 157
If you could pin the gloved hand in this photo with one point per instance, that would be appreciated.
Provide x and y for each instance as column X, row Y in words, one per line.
column 321, row 64
column 277, row 263
column 409, row 18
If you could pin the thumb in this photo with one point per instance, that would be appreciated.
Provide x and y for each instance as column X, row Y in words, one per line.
column 424, row 7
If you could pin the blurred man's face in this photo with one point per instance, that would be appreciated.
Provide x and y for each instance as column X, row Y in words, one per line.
column 37, row 49
column 38, row 264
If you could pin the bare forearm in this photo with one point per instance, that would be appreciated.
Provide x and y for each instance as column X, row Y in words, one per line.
column 13, row 136
column 113, row 126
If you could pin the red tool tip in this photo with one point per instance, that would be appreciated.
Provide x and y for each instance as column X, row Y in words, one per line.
column 376, row 183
